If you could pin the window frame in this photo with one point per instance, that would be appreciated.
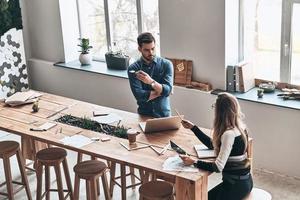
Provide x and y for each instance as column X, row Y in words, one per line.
column 285, row 44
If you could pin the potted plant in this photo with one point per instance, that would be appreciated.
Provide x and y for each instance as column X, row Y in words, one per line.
column 84, row 57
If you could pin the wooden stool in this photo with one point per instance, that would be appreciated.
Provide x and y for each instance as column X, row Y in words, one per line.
column 90, row 171
column 258, row 194
column 156, row 190
column 7, row 150
column 76, row 180
column 123, row 176
column 52, row 157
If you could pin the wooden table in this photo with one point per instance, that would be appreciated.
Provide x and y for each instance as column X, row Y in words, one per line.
column 20, row 119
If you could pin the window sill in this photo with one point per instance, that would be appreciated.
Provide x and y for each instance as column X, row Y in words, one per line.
column 251, row 95
column 268, row 98
column 95, row 67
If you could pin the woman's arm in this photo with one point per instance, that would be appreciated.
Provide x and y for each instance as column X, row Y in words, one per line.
column 206, row 140
column 227, row 141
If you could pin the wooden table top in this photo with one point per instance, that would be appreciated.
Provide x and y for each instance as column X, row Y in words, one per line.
column 20, row 119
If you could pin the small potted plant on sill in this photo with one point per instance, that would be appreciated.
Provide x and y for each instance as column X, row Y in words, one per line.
column 85, row 57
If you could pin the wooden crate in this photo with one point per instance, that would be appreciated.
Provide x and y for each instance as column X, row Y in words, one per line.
column 182, row 71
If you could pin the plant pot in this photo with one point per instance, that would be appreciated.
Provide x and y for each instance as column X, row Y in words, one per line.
column 85, row 59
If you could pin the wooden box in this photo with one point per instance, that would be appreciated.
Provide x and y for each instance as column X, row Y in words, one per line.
column 182, row 71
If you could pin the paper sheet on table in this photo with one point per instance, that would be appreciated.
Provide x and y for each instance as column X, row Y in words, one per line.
column 20, row 98
column 76, row 141
column 204, row 152
column 176, row 164
column 107, row 119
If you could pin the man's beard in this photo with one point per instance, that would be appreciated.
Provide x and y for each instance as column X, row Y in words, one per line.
column 149, row 58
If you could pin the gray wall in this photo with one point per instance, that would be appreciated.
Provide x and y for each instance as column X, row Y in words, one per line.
column 275, row 130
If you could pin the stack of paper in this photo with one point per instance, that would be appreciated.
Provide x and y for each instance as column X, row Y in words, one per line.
column 20, row 98
column 204, row 152
column 76, row 141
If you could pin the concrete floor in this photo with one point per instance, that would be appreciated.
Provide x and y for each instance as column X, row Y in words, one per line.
column 279, row 186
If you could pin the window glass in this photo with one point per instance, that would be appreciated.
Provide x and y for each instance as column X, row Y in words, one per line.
column 123, row 16
column 262, row 36
column 150, row 18
column 92, row 24
column 295, row 60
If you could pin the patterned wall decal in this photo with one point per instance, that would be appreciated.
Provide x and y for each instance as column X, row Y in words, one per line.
column 13, row 70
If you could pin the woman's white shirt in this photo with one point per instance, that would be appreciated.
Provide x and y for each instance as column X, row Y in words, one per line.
column 227, row 140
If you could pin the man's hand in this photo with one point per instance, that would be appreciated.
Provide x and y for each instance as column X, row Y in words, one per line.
column 187, row 160
column 144, row 77
column 187, row 124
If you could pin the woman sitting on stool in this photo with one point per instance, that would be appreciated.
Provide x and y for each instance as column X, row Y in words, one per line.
column 229, row 141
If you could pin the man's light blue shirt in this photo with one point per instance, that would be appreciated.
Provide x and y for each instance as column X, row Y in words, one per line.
column 160, row 70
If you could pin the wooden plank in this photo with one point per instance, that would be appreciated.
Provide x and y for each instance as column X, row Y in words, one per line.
column 18, row 116
column 58, row 99
column 46, row 109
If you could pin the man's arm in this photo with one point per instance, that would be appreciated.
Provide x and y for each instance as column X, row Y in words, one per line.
column 145, row 78
column 167, row 82
column 136, row 87
column 160, row 89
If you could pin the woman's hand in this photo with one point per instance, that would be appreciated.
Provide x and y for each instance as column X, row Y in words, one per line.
column 187, row 124
column 187, row 160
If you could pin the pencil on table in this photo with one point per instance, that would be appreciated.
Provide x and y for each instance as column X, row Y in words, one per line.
column 178, row 114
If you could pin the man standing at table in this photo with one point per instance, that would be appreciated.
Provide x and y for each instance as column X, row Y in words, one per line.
column 151, row 79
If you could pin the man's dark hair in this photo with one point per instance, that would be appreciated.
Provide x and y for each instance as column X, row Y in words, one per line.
column 145, row 38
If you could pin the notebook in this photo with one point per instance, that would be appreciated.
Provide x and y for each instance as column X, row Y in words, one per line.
column 161, row 124
column 204, row 152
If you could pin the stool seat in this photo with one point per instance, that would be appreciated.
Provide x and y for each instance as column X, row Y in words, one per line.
column 51, row 154
column 156, row 190
column 52, row 157
column 258, row 194
column 7, row 147
column 90, row 171
column 89, row 168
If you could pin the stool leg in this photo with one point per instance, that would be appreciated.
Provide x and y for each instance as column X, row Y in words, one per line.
column 8, row 178
column 132, row 176
column 94, row 188
column 76, row 187
column 123, row 181
column 59, row 182
column 39, row 179
column 68, row 179
column 47, row 182
column 98, row 185
column 77, row 180
column 21, row 163
column 88, row 190
column 112, row 177
column 105, row 186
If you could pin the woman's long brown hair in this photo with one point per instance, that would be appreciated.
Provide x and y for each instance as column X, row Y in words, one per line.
column 228, row 115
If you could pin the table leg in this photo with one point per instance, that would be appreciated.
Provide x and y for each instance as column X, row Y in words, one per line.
column 187, row 189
